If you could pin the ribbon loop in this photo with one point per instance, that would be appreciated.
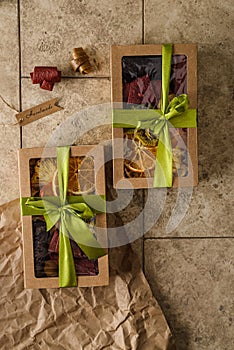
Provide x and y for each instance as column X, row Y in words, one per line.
column 177, row 106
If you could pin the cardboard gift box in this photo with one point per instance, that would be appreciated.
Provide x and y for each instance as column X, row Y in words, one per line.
column 137, row 74
column 40, row 186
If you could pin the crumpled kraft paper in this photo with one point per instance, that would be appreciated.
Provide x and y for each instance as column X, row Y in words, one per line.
column 123, row 315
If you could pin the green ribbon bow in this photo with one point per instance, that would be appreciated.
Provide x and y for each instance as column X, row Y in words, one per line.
column 158, row 121
column 71, row 211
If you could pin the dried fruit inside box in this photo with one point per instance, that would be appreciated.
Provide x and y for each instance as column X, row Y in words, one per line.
column 141, row 88
column 44, row 182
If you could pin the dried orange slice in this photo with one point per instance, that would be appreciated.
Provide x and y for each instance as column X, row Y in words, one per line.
column 141, row 151
column 141, row 156
column 86, row 175
column 42, row 176
column 81, row 177
column 44, row 170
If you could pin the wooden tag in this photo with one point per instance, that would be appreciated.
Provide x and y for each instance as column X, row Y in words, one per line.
column 38, row 112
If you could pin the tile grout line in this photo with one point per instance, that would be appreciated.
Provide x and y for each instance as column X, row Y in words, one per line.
column 143, row 231
column 143, row 22
column 187, row 238
column 20, row 87
column 72, row 77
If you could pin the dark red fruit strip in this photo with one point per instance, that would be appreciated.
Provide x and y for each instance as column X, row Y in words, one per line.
column 47, row 85
column 46, row 77
column 137, row 89
column 54, row 246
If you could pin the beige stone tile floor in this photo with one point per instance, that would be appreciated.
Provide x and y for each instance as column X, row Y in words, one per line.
column 9, row 91
column 193, row 281
column 94, row 24
column 187, row 254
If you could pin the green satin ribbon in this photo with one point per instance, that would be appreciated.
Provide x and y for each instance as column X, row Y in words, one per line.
column 70, row 211
column 177, row 111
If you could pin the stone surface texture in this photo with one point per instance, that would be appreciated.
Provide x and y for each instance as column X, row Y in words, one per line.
column 208, row 25
column 75, row 95
column 9, row 92
column 89, row 24
column 193, row 280
column 187, row 249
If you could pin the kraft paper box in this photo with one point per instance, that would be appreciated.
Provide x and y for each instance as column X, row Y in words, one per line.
column 136, row 84
column 38, row 178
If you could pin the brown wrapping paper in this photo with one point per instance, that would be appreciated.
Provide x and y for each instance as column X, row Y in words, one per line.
column 123, row 315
